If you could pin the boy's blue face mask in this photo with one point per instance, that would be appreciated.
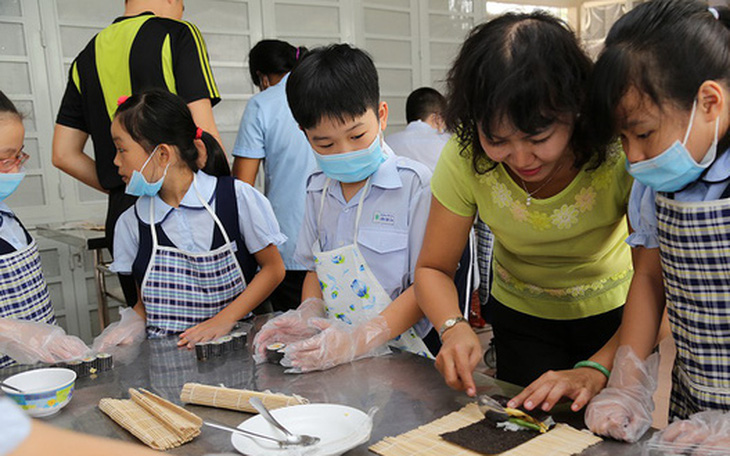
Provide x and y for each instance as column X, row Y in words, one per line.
column 352, row 166
column 9, row 183
column 675, row 168
column 138, row 185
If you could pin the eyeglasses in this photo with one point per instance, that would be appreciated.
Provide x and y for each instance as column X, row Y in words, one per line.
column 10, row 163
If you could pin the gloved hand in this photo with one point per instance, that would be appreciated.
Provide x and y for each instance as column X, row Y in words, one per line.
column 704, row 433
column 29, row 342
column 623, row 409
column 337, row 343
column 289, row 327
column 121, row 336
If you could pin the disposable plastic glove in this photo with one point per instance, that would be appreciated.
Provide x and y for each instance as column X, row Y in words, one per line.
column 337, row 343
column 29, row 342
column 289, row 327
column 623, row 409
column 704, row 433
column 121, row 338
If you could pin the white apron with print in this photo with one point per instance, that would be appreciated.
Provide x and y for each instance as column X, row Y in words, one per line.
column 181, row 289
column 350, row 290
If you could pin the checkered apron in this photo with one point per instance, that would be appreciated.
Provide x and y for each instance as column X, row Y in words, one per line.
column 694, row 242
column 23, row 291
column 181, row 289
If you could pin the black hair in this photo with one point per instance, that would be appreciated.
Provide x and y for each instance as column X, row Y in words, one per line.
column 336, row 81
column 665, row 49
column 273, row 57
column 159, row 117
column 7, row 106
column 423, row 102
column 525, row 68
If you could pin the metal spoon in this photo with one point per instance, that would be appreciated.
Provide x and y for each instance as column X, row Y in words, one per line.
column 249, row 434
column 293, row 439
column 5, row 385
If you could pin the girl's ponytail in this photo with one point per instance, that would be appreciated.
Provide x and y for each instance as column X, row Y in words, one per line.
column 216, row 163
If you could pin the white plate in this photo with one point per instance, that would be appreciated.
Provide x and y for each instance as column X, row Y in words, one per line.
column 339, row 427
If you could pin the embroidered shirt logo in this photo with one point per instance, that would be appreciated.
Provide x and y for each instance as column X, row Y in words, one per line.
column 384, row 218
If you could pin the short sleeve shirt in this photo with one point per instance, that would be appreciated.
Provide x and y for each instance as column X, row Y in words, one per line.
column 268, row 131
column 14, row 426
column 133, row 54
column 419, row 141
column 392, row 223
column 562, row 257
column 190, row 226
column 642, row 205
column 11, row 230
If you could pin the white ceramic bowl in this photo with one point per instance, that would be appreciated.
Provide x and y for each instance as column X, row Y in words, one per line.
column 45, row 391
column 339, row 427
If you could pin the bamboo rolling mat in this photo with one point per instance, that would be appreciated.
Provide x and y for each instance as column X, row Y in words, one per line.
column 159, row 424
column 235, row 399
column 562, row 440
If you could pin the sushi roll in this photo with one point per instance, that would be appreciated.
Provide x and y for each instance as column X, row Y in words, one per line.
column 76, row 366
column 89, row 366
column 226, row 344
column 275, row 352
column 215, row 349
column 239, row 340
column 202, row 351
column 104, row 362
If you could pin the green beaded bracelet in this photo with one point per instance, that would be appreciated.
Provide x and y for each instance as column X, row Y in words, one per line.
column 593, row 365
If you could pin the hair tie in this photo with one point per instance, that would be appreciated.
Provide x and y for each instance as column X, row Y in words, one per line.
column 714, row 12
column 198, row 133
column 297, row 56
column 121, row 100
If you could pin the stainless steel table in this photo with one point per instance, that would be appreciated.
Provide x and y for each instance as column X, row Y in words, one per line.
column 407, row 389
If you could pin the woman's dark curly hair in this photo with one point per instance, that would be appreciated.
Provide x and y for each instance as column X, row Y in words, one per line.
column 527, row 69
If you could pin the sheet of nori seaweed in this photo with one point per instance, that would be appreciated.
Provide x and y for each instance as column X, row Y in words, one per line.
column 486, row 438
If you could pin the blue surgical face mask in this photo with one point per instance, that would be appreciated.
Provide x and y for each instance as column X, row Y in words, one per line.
column 352, row 166
column 675, row 168
column 138, row 185
column 9, row 183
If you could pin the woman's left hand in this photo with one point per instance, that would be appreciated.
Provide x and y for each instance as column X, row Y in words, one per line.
column 210, row 329
column 580, row 385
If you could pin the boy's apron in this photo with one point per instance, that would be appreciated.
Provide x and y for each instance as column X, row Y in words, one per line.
column 694, row 242
column 350, row 290
column 23, row 291
column 181, row 289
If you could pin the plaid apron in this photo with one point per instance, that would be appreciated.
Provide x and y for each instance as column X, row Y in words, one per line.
column 23, row 291
column 350, row 290
column 694, row 242
column 181, row 289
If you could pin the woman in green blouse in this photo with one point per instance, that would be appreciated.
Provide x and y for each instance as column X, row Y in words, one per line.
column 522, row 158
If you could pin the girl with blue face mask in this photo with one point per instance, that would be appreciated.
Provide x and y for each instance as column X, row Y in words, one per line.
column 662, row 85
column 193, row 228
column 27, row 324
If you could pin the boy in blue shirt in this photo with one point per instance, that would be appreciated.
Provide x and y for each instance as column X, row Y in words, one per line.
column 365, row 217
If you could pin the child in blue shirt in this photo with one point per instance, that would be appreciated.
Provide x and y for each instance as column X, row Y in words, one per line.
column 663, row 84
column 194, row 242
column 268, row 132
column 364, row 222
column 27, row 322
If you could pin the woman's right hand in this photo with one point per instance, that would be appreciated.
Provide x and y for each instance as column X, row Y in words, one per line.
column 580, row 385
column 459, row 355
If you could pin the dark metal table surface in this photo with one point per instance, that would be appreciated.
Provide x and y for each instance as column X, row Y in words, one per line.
column 407, row 390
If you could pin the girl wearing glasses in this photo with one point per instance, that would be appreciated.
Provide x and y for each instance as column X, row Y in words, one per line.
column 27, row 325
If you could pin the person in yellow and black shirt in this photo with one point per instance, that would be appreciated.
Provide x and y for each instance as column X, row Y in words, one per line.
column 149, row 47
